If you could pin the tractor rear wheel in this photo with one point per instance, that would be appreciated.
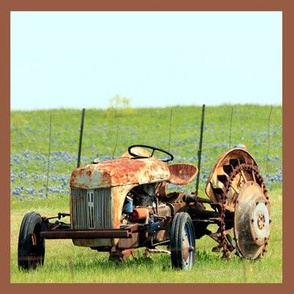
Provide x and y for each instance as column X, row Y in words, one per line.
column 245, row 213
column 182, row 242
column 31, row 247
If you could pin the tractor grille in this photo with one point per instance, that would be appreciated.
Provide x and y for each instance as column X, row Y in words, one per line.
column 91, row 209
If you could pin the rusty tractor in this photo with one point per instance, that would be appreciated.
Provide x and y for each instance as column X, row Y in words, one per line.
column 121, row 204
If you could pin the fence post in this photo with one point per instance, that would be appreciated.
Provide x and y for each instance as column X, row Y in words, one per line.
column 81, row 137
column 200, row 149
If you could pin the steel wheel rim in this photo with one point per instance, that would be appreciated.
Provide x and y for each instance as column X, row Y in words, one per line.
column 238, row 179
column 251, row 221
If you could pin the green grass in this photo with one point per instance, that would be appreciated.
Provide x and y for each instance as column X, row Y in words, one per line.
column 66, row 263
column 108, row 133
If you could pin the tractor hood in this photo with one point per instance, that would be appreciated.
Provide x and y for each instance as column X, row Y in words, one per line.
column 120, row 172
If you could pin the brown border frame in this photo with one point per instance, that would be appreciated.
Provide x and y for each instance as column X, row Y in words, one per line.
column 7, row 6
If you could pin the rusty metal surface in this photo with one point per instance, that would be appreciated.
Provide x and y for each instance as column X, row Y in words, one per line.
column 252, row 220
column 132, row 242
column 118, row 195
column 90, row 234
column 95, row 242
column 119, row 255
column 175, row 202
column 122, row 171
column 164, row 210
column 182, row 173
column 139, row 214
column 213, row 183
column 161, row 236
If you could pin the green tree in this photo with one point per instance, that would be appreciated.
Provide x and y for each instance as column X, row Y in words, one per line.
column 121, row 105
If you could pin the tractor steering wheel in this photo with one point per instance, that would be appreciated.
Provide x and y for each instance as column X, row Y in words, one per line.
column 153, row 149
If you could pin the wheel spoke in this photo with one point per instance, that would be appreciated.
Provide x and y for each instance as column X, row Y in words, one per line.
column 253, row 175
column 235, row 189
column 229, row 231
column 229, row 253
column 243, row 176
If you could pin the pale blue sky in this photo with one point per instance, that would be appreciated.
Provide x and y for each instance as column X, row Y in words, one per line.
column 83, row 59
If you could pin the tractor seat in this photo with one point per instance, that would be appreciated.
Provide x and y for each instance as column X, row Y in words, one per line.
column 182, row 173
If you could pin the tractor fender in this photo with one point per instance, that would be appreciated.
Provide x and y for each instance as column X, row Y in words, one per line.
column 226, row 162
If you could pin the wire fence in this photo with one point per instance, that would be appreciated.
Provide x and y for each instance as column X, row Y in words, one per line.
column 53, row 137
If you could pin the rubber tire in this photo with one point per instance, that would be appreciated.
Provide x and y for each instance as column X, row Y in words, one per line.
column 29, row 255
column 182, row 225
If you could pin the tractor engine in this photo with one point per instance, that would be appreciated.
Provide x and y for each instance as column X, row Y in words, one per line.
column 142, row 205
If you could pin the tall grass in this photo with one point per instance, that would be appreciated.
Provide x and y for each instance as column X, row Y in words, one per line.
column 109, row 133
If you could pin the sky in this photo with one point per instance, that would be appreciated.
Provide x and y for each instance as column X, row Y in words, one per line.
column 154, row 59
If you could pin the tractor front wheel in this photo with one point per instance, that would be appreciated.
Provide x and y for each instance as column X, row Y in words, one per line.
column 31, row 247
column 182, row 242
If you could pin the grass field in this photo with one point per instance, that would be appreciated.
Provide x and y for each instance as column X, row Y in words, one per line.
column 44, row 148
